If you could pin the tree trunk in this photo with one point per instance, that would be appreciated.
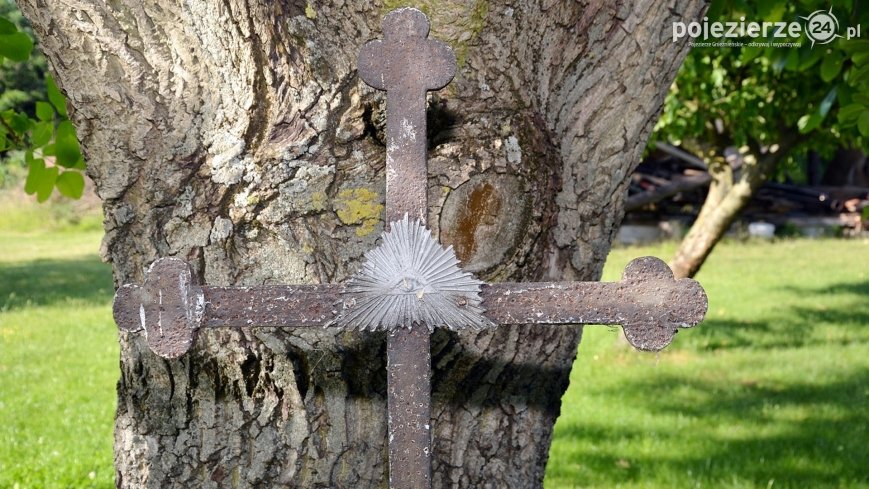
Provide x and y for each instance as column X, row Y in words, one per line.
column 237, row 136
column 729, row 192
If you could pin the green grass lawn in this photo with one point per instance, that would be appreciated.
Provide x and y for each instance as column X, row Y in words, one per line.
column 58, row 361
column 771, row 391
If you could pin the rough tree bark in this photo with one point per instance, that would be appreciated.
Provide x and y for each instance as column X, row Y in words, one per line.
column 237, row 136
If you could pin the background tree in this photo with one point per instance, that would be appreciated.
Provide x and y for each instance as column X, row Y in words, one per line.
column 237, row 136
column 774, row 104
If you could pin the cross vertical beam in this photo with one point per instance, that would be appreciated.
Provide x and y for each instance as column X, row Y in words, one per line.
column 407, row 65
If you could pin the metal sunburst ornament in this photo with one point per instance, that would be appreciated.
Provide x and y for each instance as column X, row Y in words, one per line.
column 411, row 279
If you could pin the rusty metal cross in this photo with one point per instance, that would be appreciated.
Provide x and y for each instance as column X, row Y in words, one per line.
column 409, row 284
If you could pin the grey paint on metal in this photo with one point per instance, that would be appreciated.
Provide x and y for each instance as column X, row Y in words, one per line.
column 410, row 279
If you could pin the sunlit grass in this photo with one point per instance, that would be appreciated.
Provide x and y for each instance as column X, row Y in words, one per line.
column 20, row 213
column 58, row 361
column 770, row 391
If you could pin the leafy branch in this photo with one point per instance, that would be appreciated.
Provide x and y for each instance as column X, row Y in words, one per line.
column 49, row 141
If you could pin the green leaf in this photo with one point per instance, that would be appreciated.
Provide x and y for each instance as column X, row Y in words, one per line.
column 55, row 97
column 66, row 148
column 863, row 124
column 43, row 192
column 845, row 95
column 19, row 123
column 40, row 180
column 859, row 72
column 7, row 27
column 831, row 66
column 66, row 151
column 41, row 134
column 16, row 46
column 856, row 46
column 70, row 184
column 34, row 170
column 808, row 122
column 44, row 112
column 809, row 58
column 860, row 58
column 65, row 129
column 850, row 113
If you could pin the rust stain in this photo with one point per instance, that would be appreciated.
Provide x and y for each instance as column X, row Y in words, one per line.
column 483, row 207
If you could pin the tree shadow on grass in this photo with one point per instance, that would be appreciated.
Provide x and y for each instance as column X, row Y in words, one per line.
column 47, row 282
column 796, row 434
column 855, row 288
column 792, row 327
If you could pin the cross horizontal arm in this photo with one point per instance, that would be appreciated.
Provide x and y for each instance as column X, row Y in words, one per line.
column 648, row 302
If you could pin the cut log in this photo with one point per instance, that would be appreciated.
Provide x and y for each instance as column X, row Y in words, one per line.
column 682, row 184
column 682, row 155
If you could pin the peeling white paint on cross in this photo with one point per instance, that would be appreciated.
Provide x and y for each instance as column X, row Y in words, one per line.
column 409, row 284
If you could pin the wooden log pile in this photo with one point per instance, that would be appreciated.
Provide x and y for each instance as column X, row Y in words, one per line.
column 671, row 184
